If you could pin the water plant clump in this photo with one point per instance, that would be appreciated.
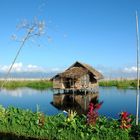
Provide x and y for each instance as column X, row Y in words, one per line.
column 36, row 84
column 125, row 120
column 30, row 124
column 119, row 83
column 92, row 115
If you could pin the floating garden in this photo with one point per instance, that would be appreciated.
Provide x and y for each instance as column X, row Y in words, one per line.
column 124, row 84
column 69, row 126
column 44, row 84
column 35, row 84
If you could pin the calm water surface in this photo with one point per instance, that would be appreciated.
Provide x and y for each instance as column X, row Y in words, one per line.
column 115, row 100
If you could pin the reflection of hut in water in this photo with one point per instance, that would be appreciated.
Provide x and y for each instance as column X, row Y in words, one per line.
column 76, row 102
column 77, row 77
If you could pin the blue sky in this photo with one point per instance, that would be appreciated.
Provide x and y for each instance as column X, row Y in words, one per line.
column 101, row 33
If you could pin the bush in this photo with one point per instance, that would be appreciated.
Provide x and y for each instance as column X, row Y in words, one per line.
column 59, row 127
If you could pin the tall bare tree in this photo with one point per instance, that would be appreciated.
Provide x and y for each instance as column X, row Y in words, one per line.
column 32, row 29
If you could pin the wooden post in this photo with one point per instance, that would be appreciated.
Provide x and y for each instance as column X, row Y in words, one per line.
column 85, row 101
column 70, row 83
column 137, row 97
column 73, row 89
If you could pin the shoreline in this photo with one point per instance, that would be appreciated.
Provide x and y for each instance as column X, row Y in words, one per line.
column 43, row 83
column 24, row 79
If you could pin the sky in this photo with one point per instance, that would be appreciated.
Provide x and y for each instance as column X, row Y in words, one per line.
column 101, row 33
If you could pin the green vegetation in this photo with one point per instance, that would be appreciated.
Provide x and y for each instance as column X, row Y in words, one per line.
column 119, row 83
column 44, row 84
column 59, row 127
column 36, row 84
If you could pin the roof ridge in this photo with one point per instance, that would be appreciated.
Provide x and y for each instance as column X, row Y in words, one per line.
column 97, row 74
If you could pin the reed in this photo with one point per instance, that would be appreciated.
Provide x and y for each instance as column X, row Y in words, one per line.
column 36, row 84
column 119, row 83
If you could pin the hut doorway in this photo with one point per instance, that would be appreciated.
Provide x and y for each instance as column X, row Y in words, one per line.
column 68, row 83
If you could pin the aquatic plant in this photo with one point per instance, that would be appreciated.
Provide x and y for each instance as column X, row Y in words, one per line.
column 125, row 120
column 92, row 115
column 37, row 125
column 123, row 84
column 71, row 115
column 35, row 84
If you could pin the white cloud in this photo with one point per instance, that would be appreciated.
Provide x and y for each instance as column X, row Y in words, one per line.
column 34, row 68
column 19, row 67
column 123, row 72
column 4, row 68
column 132, row 69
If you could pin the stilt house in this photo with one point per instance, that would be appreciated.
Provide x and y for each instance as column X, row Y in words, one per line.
column 78, row 76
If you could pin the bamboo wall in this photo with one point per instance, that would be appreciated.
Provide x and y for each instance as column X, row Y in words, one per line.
column 77, row 83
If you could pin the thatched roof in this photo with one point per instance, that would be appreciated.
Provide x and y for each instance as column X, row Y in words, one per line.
column 97, row 74
column 78, row 69
column 74, row 72
column 89, row 68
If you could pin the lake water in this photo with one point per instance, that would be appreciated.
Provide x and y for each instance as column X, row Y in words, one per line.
column 114, row 100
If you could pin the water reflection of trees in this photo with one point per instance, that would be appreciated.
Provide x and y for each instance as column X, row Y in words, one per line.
column 78, row 101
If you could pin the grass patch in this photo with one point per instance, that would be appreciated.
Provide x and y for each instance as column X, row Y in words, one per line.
column 119, row 83
column 59, row 127
column 37, row 84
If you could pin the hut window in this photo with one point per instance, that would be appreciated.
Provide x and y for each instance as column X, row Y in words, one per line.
column 92, row 79
column 68, row 82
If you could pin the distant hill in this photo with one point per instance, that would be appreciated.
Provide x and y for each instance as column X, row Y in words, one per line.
column 40, row 75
